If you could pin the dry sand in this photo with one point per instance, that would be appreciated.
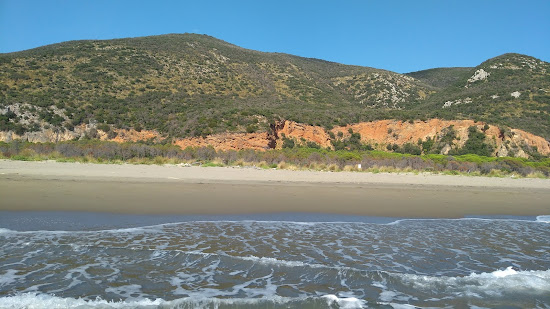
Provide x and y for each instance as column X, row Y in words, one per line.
column 148, row 189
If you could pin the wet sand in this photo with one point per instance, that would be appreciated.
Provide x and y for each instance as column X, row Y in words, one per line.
column 148, row 189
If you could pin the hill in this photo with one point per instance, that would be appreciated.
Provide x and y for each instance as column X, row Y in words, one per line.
column 179, row 86
column 511, row 90
column 192, row 85
column 440, row 78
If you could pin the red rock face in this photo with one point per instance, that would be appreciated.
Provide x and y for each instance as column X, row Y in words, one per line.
column 381, row 133
column 398, row 132
column 298, row 131
column 377, row 133
column 228, row 141
column 542, row 145
column 132, row 135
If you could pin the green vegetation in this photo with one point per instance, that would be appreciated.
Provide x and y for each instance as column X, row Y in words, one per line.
column 353, row 142
column 195, row 85
column 192, row 85
column 288, row 158
column 476, row 144
column 516, row 93
column 441, row 78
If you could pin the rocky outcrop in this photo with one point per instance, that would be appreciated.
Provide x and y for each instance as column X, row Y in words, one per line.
column 295, row 130
column 123, row 135
column 229, row 141
column 80, row 132
column 519, row 137
column 399, row 132
column 44, row 136
column 386, row 132
column 379, row 134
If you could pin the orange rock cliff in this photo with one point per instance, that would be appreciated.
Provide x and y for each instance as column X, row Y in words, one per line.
column 377, row 134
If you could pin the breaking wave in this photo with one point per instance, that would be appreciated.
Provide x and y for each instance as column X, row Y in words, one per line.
column 34, row 300
column 475, row 262
column 498, row 283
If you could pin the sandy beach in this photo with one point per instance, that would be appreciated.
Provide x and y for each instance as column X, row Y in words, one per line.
column 152, row 189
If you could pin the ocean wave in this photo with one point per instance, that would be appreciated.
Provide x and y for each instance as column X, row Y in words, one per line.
column 499, row 283
column 286, row 263
column 537, row 219
column 152, row 228
column 159, row 228
column 5, row 231
column 277, row 262
column 34, row 300
column 348, row 302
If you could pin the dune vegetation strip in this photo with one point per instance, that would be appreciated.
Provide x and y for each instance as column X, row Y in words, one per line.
column 299, row 158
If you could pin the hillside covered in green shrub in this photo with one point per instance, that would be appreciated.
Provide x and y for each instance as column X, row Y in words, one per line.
column 185, row 85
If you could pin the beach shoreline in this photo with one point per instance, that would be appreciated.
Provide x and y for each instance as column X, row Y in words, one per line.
column 154, row 189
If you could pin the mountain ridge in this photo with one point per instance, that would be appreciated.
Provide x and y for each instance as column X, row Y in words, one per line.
column 190, row 85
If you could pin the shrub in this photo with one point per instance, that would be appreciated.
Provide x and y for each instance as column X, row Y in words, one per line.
column 410, row 148
column 206, row 153
column 251, row 128
column 288, row 143
column 427, row 145
column 104, row 127
column 476, row 144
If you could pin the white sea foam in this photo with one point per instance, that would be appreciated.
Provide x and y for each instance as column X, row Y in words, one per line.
column 6, row 231
column 399, row 221
column 544, row 218
column 347, row 302
column 8, row 277
column 141, row 229
column 161, row 227
column 274, row 261
column 277, row 262
column 129, row 230
column 499, row 273
column 493, row 284
column 127, row 291
column 35, row 301
column 402, row 306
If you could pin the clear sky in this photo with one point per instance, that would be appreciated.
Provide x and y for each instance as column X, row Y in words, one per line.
column 400, row 36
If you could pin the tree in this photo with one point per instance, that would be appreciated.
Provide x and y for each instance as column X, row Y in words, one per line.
column 476, row 144
column 427, row 145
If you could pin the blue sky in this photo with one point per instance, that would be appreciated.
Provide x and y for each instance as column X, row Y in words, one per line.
column 400, row 36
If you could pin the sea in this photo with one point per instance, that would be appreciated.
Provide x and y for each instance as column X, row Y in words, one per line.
column 91, row 260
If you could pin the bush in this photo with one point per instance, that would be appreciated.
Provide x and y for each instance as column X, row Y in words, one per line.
column 251, row 128
column 288, row 143
column 91, row 134
column 104, row 127
column 206, row 153
column 476, row 144
column 410, row 148
column 427, row 145
column 296, row 157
